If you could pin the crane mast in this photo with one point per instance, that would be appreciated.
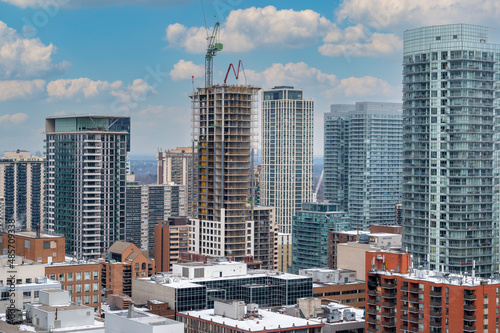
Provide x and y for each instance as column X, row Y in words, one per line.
column 213, row 46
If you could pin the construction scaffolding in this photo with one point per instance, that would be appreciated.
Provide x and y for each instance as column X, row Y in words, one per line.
column 224, row 131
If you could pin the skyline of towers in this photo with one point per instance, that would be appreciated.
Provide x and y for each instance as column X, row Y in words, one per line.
column 85, row 183
column 450, row 189
column 362, row 160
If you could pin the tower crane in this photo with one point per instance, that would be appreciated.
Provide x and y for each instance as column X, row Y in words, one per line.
column 213, row 46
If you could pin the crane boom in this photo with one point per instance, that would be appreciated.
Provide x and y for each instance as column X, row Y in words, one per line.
column 212, row 48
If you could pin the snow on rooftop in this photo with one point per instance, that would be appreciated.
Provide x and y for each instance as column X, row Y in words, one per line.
column 269, row 321
column 438, row 277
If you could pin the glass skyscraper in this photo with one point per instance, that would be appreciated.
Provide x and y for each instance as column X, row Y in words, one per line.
column 450, row 207
column 311, row 226
column 85, row 181
column 362, row 168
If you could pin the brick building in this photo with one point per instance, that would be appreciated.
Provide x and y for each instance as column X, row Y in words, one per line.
column 124, row 262
column 36, row 246
column 171, row 238
column 400, row 298
column 82, row 280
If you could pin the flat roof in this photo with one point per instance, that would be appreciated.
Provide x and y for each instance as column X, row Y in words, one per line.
column 183, row 282
column 440, row 278
column 32, row 234
column 62, row 307
column 264, row 320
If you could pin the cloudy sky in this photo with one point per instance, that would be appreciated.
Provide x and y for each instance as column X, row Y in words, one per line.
column 137, row 57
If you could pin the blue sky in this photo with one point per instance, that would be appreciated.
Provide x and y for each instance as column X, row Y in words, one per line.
column 136, row 57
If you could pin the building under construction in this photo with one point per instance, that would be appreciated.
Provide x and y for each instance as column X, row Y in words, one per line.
column 224, row 119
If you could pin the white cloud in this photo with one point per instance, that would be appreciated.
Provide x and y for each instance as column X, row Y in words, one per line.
column 291, row 74
column 256, row 28
column 22, row 57
column 15, row 118
column 79, row 88
column 251, row 28
column 184, row 70
column 327, row 85
column 90, row 3
column 404, row 14
column 129, row 97
column 17, row 89
column 364, row 87
column 356, row 41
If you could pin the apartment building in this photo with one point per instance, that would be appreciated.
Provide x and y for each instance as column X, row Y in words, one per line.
column 22, row 178
column 401, row 298
column 85, row 181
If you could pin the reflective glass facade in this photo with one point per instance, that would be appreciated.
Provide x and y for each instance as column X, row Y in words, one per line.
column 450, row 77
column 311, row 226
column 363, row 168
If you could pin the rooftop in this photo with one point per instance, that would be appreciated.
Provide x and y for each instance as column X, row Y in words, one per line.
column 264, row 320
column 177, row 281
column 440, row 278
column 32, row 234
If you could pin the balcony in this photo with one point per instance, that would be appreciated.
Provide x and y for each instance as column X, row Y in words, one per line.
column 436, row 314
column 389, row 285
column 435, row 293
column 470, row 297
column 469, row 318
column 470, row 307
column 469, row 328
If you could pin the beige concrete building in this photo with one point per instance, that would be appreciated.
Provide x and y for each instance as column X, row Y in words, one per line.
column 266, row 237
column 26, row 277
column 352, row 255
column 175, row 166
column 284, row 251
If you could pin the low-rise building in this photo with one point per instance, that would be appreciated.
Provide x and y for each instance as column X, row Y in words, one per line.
column 124, row 262
column 236, row 317
column 352, row 255
column 133, row 321
column 339, row 285
column 403, row 299
column 26, row 277
column 36, row 246
column 55, row 311
column 341, row 237
column 81, row 279
column 196, row 286
column 337, row 318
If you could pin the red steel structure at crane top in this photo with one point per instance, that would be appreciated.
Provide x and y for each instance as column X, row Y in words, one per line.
column 236, row 72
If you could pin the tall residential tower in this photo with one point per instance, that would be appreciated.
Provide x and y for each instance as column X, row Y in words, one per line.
column 287, row 152
column 362, row 170
column 21, row 189
column 450, row 161
column 85, row 181
column 223, row 131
